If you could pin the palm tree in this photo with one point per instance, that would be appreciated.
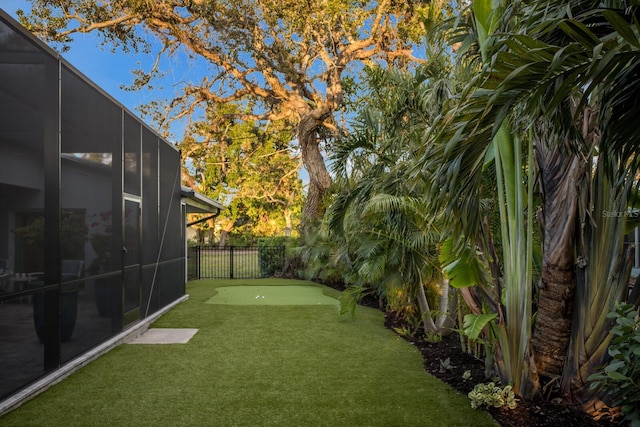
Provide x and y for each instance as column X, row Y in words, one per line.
column 456, row 166
column 569, row 72
column 390, row 230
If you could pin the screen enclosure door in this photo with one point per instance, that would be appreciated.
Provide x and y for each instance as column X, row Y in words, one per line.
column 131, row 257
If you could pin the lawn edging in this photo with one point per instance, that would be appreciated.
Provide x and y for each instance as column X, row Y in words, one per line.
column 69, row 368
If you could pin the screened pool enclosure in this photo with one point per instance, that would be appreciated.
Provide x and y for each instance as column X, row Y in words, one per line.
column 92, row 218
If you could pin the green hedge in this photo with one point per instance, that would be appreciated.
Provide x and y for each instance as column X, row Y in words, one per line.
column 271, row 254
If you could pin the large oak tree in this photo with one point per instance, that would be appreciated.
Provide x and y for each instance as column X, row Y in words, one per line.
column 285, row 59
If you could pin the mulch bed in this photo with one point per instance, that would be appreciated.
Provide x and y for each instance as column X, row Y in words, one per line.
column 527, row 414
column 534, row 414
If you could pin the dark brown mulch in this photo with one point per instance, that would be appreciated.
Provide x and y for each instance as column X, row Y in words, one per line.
column 527, row 414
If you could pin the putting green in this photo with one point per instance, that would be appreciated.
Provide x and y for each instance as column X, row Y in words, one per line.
column 271, row 295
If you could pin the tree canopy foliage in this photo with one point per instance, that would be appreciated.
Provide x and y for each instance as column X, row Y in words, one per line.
column 250, row 168
column 282, row 59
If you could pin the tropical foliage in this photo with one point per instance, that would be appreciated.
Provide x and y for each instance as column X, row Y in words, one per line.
column 550, row 71
column 542, row 115
column 621, row 376
column 492, row 395
column 390, row 234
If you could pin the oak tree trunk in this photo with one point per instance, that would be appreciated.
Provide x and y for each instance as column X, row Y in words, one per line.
column 319, row 178
column 288, row 222
column 223, row 239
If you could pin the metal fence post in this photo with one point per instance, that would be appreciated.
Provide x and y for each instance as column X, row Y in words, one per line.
column 198, row 261
column 231, row 261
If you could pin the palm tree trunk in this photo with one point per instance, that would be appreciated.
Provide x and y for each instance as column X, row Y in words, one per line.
column 425, row 311
column 447, row 306
column 562, row 176
column 559, row 171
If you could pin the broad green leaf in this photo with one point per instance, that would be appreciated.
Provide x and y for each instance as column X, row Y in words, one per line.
column 489, row 157
column 475, row 323
column 482, row 10
column 613, row 366
column 625, row 321
column 617, row 376
column 461, row 266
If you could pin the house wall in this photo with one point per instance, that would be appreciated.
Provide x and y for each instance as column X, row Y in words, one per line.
column 91, row 232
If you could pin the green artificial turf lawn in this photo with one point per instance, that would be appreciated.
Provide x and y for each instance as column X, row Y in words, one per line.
column 256, row 366
column 271, row 295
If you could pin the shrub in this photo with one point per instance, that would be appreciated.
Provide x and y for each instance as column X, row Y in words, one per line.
column 271, row 255
column 620, row 378
column 492, row 395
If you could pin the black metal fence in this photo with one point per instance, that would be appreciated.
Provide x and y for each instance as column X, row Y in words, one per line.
column 235, row 262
